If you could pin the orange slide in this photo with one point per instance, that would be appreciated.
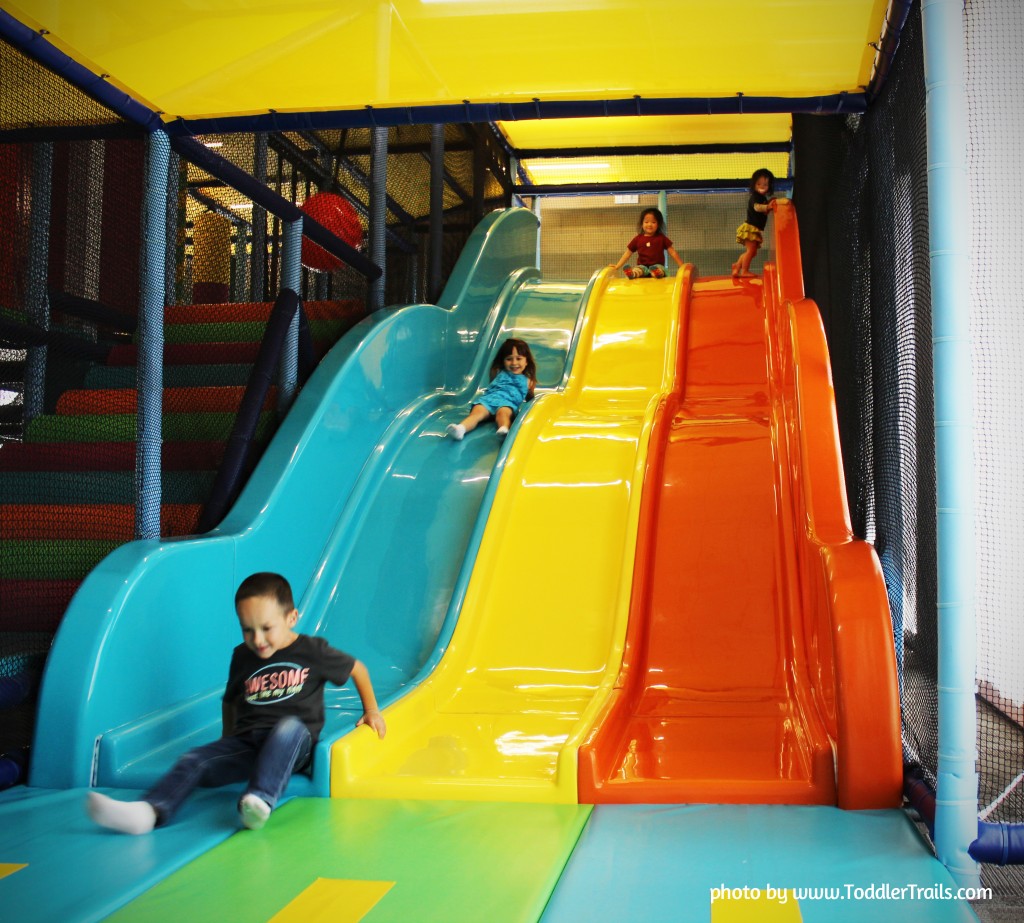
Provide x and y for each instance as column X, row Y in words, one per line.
column 759, row 665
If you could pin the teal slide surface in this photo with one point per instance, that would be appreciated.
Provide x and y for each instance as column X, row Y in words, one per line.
column 360, row 501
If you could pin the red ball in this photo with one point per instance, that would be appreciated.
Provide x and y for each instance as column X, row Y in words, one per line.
column 337, row 215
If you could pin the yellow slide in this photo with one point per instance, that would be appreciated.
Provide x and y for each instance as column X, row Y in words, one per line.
column 538, row 643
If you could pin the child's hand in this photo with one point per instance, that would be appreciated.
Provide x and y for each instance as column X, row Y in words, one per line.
column 772, row 203
column 375, row 720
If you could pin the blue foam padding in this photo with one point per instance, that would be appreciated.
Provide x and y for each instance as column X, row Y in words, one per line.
column 659, row 864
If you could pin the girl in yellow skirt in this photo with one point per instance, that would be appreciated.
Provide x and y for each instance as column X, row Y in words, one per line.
column 751, row 233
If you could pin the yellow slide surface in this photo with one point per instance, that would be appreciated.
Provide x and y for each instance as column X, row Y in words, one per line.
column 539, row 639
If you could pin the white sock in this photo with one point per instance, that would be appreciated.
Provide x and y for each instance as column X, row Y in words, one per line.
column 456, row 431
column 124, row 816
column 502, row 430
column 253, row 810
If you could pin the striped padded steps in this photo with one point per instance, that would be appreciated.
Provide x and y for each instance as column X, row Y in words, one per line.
column 89, row 520
column 127, row 354
column 177, row 427
column 36, row 605
column 51, row 537
column 322, row 331
column 209, row 399
column 342, row 311
column 107, row 456
column 54, row 559
column 175, row 376
column 103, row 487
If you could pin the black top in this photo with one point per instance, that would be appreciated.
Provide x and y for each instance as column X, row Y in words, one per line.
column 756, row 218
column 291, row 682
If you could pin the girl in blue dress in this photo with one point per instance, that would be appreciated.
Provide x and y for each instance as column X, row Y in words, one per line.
column 513, row 378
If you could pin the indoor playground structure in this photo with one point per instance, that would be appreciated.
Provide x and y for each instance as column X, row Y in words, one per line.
column 724, row 629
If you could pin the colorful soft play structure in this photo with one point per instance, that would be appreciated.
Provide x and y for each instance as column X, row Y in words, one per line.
column 634, row 659
column 645, row 603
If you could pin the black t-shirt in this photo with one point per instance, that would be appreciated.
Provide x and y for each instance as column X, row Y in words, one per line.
column 289, row 683
column 756, row 218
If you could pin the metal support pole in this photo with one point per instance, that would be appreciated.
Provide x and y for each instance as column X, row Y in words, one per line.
column 663, row 208
column 149, row 422
column 174, row 192
column 378, row 213
column 956, row 814
column 536, row 211
column 291, row 278
column 37, row 299
column 436, row 211
column 259, row 221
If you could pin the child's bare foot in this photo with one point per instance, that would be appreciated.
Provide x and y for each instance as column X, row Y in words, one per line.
column 735, row 270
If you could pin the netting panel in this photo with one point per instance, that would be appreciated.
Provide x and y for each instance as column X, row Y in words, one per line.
column 861, row 190
column 581, row 234
column 994, row 31
column 32, row 97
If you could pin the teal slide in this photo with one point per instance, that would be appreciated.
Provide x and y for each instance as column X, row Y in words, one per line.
column 360, row 500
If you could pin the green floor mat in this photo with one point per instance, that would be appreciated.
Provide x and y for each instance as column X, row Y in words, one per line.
column 422, row 861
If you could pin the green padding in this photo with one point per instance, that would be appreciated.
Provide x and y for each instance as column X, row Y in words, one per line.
column 175, row 376
column 451, row 862
column 61, row 559
column 120, row 427
column 99, row 487
column 243, row 331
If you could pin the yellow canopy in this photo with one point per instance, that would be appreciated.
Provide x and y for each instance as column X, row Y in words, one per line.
column 202, row 60
column 233, row 57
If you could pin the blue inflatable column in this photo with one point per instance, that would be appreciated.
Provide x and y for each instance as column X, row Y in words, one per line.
column 149, row 422
column 956, row 808
column 291, row 278
column 378, row 213
column 37, row 299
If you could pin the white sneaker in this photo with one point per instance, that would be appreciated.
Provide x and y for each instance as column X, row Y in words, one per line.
column 502, row 432
column 253, row 811
column 456, row 431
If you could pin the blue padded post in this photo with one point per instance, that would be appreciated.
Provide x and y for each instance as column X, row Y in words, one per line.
column 956, row 813
column 149, row 423
column 291, row 279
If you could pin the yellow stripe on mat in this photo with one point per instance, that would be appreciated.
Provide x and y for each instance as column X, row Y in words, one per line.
column 334, row 900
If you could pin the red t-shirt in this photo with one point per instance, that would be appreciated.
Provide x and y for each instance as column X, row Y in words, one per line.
column 650, row 251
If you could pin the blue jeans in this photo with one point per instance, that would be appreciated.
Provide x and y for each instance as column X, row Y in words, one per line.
column 266, row 757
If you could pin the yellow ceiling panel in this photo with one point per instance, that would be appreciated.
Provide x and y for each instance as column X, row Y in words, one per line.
column 651, row 130
column 660, row 168
column 205, row 58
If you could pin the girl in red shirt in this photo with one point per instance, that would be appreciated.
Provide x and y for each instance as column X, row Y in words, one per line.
column 650, row 246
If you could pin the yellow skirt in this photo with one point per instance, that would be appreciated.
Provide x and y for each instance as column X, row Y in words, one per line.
column 747, row 232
